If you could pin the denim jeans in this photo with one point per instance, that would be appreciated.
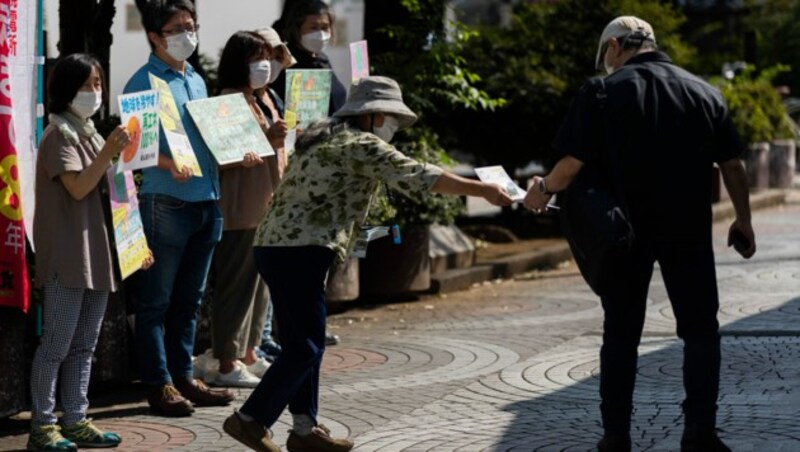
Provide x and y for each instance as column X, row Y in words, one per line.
column 266, row 334
column 690, row 279
column 296, row 280
column 182, row 236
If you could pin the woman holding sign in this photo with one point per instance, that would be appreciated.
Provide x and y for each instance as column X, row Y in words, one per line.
column 273, row 108
column 74, row 262
column 240, row 296
column 338, row 165
column 308, row 29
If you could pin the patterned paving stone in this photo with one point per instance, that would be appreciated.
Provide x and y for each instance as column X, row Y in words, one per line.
column 514, row 367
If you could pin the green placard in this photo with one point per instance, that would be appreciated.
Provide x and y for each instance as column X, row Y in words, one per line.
column 229, row 128
column 308, row 96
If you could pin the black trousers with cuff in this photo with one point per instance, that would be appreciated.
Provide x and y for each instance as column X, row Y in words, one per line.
column 688, row 269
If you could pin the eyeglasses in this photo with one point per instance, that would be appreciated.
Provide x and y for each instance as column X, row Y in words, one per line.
column 177, row 29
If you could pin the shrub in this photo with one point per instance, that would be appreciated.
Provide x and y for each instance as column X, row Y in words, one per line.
column 755, row 106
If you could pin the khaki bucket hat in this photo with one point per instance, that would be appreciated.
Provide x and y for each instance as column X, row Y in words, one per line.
column 377, row 94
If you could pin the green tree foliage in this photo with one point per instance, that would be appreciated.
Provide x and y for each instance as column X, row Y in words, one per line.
column 777, row 38
column 756, row 108
column 760, row 32
column 538, row 64
column 411, row 42
column 85, row 27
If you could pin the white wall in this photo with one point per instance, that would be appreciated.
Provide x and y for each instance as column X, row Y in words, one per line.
column 218, row 20
column 349, row 28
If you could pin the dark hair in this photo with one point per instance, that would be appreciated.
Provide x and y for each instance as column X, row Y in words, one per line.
column 297, row 15
column 234, row 64
column 156, row 13
column 66, row 79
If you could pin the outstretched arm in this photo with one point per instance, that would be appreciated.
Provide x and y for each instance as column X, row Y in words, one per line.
column 451, row 184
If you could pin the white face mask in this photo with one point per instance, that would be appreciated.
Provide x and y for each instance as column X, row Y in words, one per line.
column 315, row 41
column 86, row 103
column 260, row 72
column 274, row 71
column 182, row 46
column 387, row 130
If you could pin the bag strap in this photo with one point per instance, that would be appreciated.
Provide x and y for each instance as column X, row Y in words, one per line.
column 610, row 152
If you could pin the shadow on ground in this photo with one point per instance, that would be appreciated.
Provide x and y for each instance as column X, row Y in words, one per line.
column 759, row 391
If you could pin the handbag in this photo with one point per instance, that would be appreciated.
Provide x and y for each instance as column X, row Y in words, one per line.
column 594, row 215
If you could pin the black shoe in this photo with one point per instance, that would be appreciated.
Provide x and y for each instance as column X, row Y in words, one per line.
column 615, row 442
column 702, row 440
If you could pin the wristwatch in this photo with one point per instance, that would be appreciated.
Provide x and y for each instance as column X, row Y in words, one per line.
column 542, row 187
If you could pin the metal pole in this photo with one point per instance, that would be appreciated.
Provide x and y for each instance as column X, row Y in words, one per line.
column 39, row 109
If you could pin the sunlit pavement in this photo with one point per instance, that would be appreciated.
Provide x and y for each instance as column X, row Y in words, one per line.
column 513, row 366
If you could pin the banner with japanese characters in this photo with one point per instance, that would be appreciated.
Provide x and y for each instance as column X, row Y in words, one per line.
column 13, row 267
column 179, row 144
column 129, row 235
column 20, row 35
column 139, row 113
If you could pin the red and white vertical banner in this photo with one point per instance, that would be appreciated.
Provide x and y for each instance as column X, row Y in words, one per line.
column 13, row 267
column 23, row 62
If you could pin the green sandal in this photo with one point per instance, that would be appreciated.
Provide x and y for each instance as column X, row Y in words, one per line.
column 48, row 437
column 86, row 434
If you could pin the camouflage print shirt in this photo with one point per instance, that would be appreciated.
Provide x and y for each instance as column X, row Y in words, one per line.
column 326, row 191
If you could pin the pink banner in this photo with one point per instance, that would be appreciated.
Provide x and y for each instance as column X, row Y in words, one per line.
column 359, row 60
column 13, row 268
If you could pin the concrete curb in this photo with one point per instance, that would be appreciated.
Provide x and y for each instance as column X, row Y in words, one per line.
column 551, row 255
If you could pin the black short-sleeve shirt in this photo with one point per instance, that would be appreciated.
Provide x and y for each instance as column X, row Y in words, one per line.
column 667, row 127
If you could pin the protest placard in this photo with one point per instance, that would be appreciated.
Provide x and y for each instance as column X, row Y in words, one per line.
column 179, row 144
column 308, row 94
column 139, row 113
column 359, row 60
column 229, row 128
column 129, row 235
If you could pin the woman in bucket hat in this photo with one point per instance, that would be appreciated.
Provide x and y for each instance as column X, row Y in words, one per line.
column 338, row 165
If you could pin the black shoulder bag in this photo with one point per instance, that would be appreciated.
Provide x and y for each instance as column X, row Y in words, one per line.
column 593, row 212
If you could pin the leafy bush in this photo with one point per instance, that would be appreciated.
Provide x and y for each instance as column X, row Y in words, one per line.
column 392, row 208
column 426, row 58
column 755, row 106
column 538, row 64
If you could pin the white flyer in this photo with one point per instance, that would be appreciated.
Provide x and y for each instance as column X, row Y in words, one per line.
column 497, row 175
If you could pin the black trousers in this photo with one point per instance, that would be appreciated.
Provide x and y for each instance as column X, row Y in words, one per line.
column 690, row 279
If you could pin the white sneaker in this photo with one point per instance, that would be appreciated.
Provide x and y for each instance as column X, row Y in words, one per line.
column 239, row 377
column 259, row 368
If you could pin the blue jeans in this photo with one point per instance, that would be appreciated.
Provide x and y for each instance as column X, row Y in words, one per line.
column 266, row 335
column 296, row 280
column 182, row 236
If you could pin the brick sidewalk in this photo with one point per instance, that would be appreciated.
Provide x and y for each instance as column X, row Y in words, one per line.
column 513, row 366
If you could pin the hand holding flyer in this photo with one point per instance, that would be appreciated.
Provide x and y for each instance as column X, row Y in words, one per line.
column 498, row 176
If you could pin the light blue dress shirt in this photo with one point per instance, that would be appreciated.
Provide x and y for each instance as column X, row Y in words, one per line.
column 185, row 87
